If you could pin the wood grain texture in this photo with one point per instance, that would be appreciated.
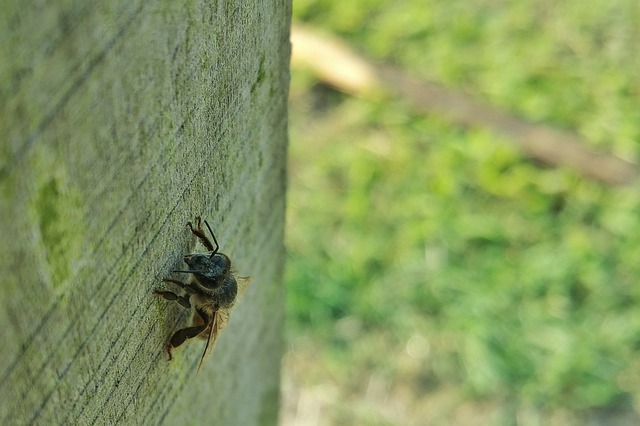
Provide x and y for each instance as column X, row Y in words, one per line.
column 121, row 121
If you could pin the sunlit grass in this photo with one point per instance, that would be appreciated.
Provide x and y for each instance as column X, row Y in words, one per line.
column 435, row 272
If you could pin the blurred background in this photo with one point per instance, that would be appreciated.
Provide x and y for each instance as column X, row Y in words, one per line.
column 443, row 268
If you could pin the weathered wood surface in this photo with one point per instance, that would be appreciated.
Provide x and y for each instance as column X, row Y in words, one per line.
column 120, row 121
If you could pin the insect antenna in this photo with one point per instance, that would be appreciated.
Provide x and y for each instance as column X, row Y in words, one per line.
column 214, row 240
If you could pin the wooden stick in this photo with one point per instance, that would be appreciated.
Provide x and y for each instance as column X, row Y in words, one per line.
column 338, row 65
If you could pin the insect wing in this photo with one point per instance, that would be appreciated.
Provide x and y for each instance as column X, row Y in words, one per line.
column 243, row 283
column 220, row 320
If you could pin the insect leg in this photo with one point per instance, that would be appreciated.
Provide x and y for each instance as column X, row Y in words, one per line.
column 198, row 232
column 187, row 287
column 206, row 318
column 180, row 336
column 183, row 301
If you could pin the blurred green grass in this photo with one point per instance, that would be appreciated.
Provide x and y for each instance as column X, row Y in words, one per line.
column 427, row 257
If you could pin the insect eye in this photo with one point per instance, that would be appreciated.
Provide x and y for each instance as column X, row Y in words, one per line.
column 220, row 261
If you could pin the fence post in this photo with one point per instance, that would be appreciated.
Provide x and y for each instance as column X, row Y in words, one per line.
column 120, row 122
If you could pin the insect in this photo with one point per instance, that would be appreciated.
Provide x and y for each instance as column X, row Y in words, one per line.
column 211, row 288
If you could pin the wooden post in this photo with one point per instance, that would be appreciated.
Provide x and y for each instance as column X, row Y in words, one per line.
column 121, row 121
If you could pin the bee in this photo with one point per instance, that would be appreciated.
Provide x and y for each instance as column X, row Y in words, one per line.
column 211, row 288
